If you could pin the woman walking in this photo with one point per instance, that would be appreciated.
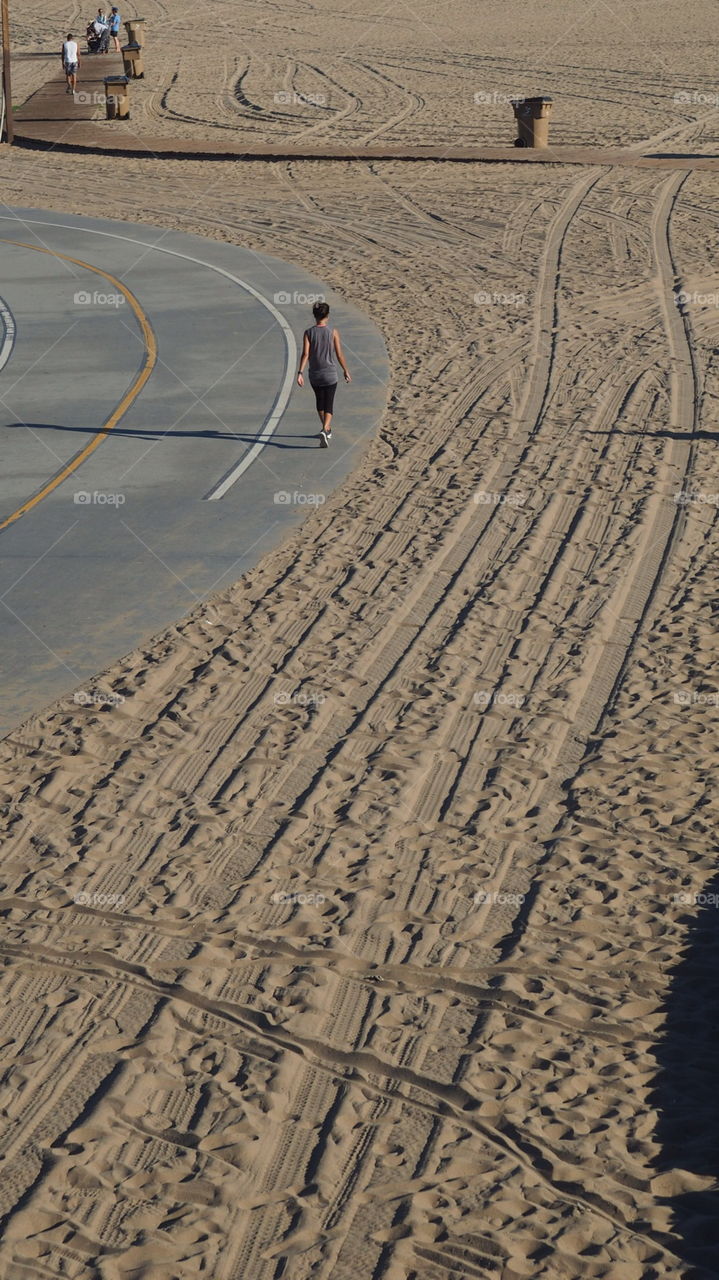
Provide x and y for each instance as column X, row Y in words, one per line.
column 321, row 347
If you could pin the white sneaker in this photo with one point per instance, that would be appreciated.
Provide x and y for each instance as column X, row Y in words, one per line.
column 324, row 440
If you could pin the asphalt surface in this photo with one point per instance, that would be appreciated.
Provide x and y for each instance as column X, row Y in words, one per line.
column 154, row 443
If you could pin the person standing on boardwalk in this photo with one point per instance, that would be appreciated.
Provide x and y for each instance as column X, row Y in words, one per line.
column 321, row 346
column 70, row 62
column 101, row 28
column 115, row 28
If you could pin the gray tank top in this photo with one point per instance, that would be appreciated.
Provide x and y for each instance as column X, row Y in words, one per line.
column 322, row 367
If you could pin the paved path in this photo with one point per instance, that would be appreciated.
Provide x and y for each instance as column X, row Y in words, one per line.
column 154, row 442
column 50, row 118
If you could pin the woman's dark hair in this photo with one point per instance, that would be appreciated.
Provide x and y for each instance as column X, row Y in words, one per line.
column 320, row 310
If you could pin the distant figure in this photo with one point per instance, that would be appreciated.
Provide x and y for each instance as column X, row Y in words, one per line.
column 115, row 28
column 101, row 27
column 321, row 345
column 70, row 61
column 98, row 36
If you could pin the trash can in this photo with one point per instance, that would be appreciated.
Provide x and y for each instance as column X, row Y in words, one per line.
column 532, row 116
column 135, row 30
column 117, row 98
column 132, row 58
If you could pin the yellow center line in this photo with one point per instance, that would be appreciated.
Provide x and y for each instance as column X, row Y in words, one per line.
column 133, row 391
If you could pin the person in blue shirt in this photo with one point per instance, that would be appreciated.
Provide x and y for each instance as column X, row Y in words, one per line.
column 115, row 28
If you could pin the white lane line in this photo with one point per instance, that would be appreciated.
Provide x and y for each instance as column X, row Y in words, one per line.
column 280, row 402
column 269, row 426
column 10, row 330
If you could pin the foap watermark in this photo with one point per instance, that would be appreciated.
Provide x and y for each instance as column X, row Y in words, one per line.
column 708, row 499
column 289, row 98
column 693, row 698
column 283, row 498
column 497, row 898
column 488, row 697
column 685, row 499
column 693, row 298
column 83, row 498
column 695, row 98
column 85, row 99
column 83, row 298
column 281, row 899
column 495, row 498
column 696, row 899
column 283, row 298
column 96, row 698
column 99, row 899
column 493, row 98
column 301, row 698
column 498, row 298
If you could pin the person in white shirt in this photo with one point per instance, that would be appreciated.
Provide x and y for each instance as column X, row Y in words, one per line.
column 101, row 32
column 71, row 61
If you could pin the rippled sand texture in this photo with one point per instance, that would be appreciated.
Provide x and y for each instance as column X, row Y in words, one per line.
column 341, row 74
column 388, row 986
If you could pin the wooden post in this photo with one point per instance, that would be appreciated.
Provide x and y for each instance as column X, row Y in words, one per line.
column 7, row 91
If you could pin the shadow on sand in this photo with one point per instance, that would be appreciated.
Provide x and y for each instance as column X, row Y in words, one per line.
column 686, row 1090
column 660, row 435
column 680, row 155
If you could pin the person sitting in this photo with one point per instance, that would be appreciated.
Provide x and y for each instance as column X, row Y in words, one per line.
column 100, row 33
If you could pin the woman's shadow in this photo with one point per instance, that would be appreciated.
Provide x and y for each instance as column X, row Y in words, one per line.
column 276, row 440
column 686, row 1090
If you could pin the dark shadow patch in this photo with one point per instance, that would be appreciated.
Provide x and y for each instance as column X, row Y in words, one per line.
column 686, row 1089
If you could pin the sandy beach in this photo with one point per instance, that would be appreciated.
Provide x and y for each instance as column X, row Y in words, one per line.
column 371, row 936
column 283, row 72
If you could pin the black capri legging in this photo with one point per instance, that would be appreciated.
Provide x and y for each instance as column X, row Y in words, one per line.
column 325, row 398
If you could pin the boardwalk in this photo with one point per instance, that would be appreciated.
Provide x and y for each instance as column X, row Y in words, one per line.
column 50, row 118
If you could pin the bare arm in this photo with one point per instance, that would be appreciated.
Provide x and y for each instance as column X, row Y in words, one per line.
column 303, row 361
column 340, row 356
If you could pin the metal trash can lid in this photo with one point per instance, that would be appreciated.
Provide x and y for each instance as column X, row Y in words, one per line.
column 131, row 48
column 116, row 80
